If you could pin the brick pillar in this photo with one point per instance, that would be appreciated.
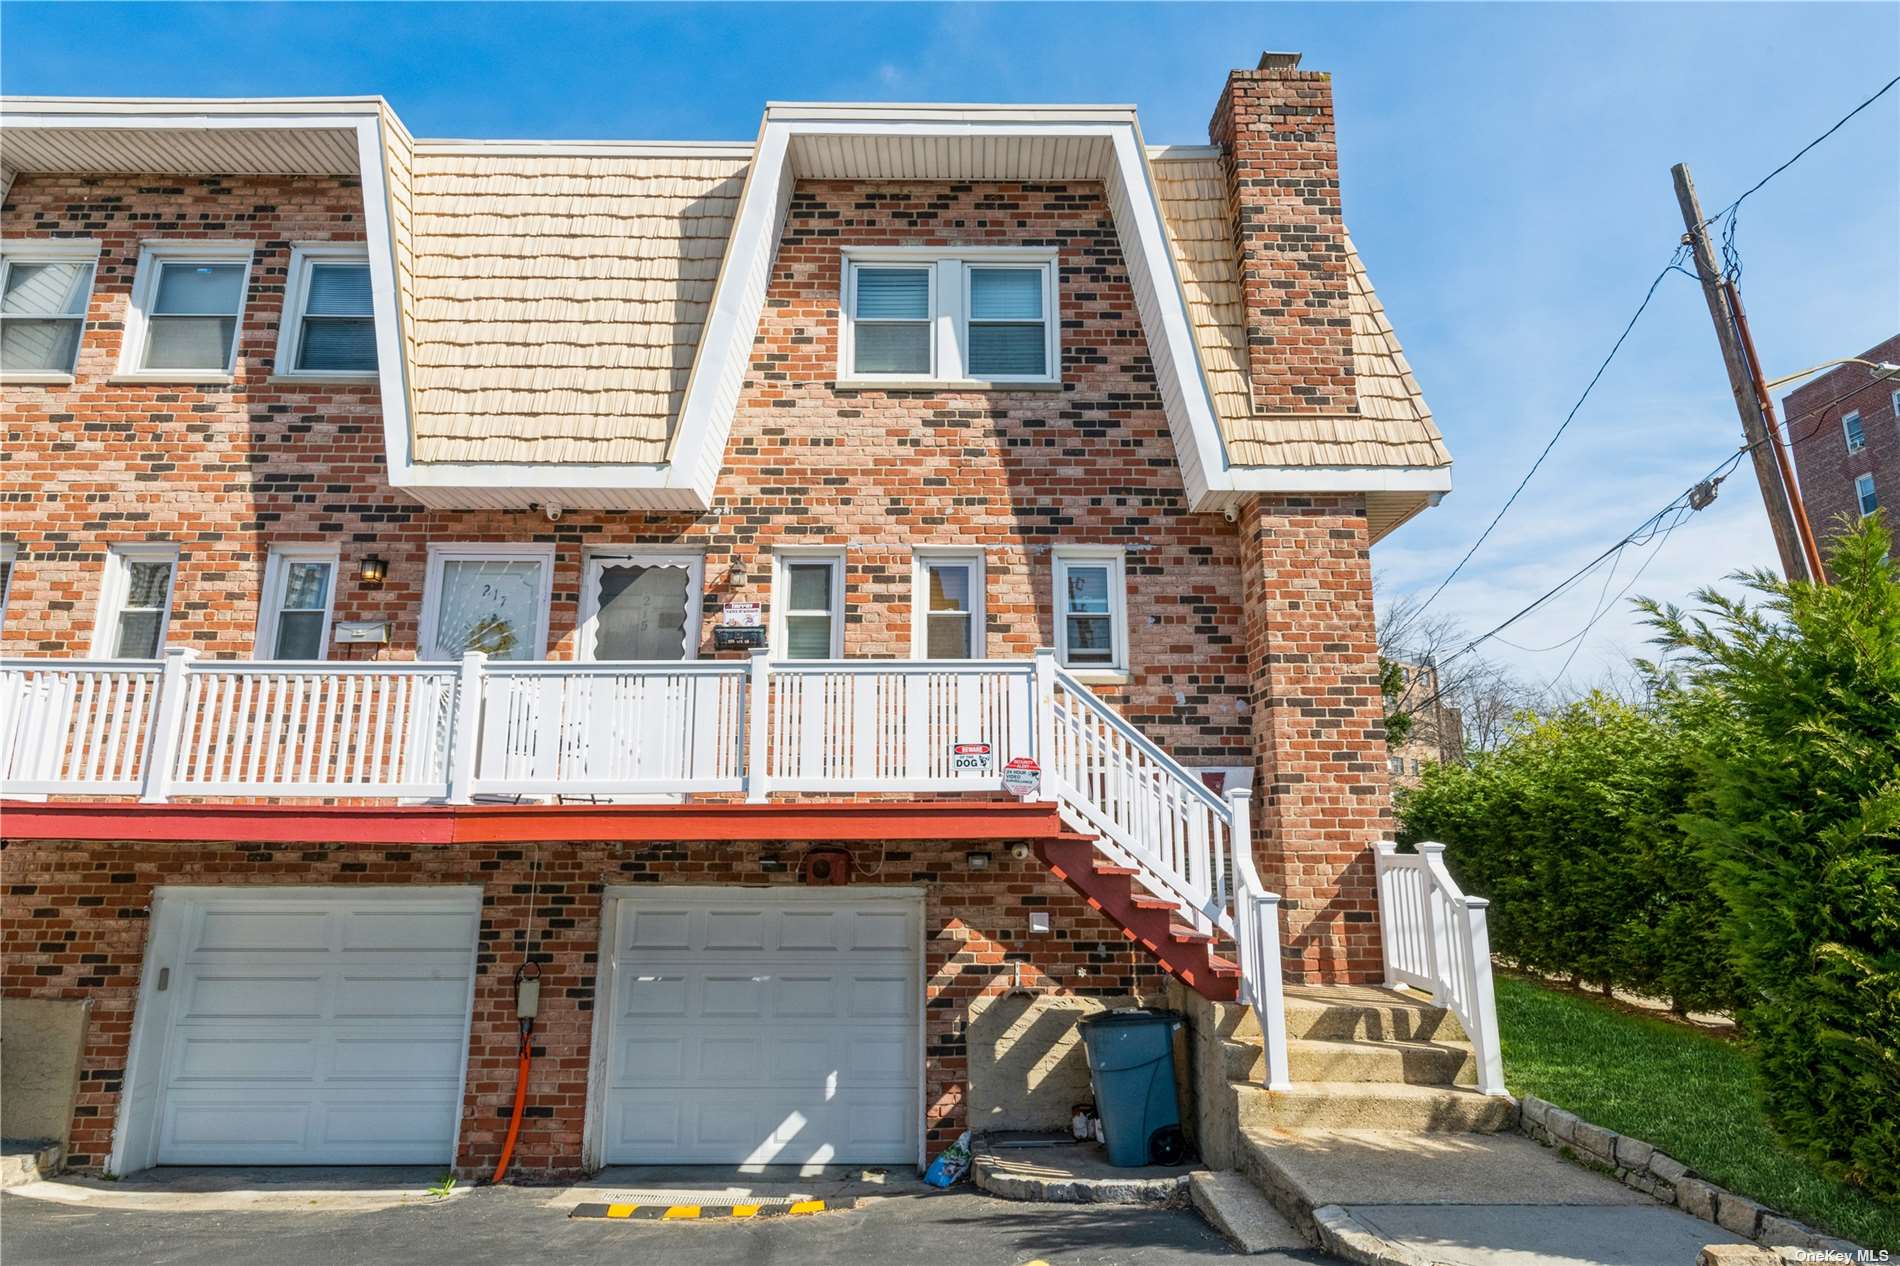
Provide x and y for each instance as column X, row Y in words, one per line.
column 1318, row 724
column 1276, row 126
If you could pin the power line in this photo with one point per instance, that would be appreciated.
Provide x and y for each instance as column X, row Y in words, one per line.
column 1674, row 265
column 1802, row 152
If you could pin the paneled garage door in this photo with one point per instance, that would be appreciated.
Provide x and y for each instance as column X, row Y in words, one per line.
column 312, row 1026
column 753, row 1027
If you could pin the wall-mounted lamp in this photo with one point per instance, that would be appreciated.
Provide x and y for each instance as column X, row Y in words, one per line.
column 372, row 570
column 979, row 861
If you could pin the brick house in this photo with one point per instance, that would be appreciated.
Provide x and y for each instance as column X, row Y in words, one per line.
column 1845, row 431
column 433, row 563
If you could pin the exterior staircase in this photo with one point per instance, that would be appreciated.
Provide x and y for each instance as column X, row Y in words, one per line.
column 1362, row 1058
column 1159, row 925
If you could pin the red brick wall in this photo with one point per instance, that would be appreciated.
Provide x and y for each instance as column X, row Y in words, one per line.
column 1283, row 184
column 1825, row 468
column 1319, row 725
column 227, row 472
column 74, row 920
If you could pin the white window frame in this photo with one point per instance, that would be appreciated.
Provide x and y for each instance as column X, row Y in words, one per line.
column 1863, row 489
column 695, row 565
column 10, row 556
column 271, row 607
column 781, row 593
column 153, row 255
column 1847, row 431
column 1061, row 558
column 949, row 308
column 303, row 255
column 442, row 552
column 921, row 560
column 54, row 251
column 113, row 591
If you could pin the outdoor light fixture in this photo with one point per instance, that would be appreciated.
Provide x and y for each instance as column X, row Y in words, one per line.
column 372, row 570
column 979, row 861
column 772, row 865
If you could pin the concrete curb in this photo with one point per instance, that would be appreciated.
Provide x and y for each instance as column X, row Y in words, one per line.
column 1000, row 1180
column 1641, row 1167
column 1347, row 1237
column 31, row 1163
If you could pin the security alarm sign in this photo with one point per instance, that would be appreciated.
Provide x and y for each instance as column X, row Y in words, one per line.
column 1022, row 776
column 969, row 758
column 743, row 615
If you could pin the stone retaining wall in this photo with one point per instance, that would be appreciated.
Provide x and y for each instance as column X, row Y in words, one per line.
column 1641, row 1166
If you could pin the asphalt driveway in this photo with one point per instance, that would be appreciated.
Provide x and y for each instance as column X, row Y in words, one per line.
column 512, row 1226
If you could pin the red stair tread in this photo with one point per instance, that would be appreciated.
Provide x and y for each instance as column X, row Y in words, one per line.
column 1144, row 902
column 1103, row 869
column 1183, row 933
column 1222, row 966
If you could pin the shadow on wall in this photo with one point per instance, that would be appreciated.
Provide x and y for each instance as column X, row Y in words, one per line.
column 1028, row 1069
column 39, row 1066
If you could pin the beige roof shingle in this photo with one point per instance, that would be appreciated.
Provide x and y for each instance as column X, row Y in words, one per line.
column 1393, row 425
column 558, row 300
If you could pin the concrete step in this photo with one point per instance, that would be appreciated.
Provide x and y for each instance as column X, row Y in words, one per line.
column 1311, row 1059
column 1235, row 1207
column 1343, row 1013
column 1361, row 1105
column 24, row 1161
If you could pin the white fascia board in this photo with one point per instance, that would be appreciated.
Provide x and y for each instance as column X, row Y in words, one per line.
column 139, row 107
column 725, row 347
column 589, row 149
column 549, row 476
column 1340, row 478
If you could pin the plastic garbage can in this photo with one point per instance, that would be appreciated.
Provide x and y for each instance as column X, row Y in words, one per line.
column 1131, row 1062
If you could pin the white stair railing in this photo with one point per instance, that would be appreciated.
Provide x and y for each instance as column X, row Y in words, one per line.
column 1435, row 938
column 1187, row 843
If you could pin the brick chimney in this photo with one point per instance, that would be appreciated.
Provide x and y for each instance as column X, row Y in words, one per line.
column 1275, row 124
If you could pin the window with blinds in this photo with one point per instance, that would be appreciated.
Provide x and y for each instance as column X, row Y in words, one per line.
column 810, row 602
column 338, row 330
column 977, row 317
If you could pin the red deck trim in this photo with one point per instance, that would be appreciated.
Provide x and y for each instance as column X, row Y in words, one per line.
column 846, row 821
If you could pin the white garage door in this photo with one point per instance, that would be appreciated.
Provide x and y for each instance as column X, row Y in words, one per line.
column 313, row 1026
column 754, row 1027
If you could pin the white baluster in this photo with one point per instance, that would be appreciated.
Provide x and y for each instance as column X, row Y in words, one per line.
column 467, row 729
column 758, row 727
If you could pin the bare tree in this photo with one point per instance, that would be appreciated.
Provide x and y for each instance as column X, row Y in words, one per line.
column 1483, row 695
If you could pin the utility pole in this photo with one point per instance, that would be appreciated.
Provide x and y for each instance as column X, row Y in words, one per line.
column 1762, row 441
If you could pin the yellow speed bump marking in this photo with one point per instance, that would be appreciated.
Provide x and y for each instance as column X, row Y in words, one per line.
column 695, row 1212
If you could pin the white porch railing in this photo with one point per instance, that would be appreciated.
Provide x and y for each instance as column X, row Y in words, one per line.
column 1435, row 939
column 453, row 731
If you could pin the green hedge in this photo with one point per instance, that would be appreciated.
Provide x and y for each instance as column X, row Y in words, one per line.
column 1793, row 708
column 1569, row 828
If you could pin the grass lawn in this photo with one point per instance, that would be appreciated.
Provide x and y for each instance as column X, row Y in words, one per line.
column 1689, row 1093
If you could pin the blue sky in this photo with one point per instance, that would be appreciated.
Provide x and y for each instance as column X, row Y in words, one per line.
column 1505, row 169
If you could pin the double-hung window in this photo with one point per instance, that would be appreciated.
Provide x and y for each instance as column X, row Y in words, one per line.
column 1855, row 433
column 187, row 306
column 299, row 591
column 1864, row 493
column 947, row 606
column 808, row 606
column 44, row 290
column 329, row 323
column 135, row 601
column 1091, row 609
column 491, row 598
column 968, row 316
column 892, row 329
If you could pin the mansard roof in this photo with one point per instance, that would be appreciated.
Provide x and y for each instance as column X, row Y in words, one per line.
column 575, row 319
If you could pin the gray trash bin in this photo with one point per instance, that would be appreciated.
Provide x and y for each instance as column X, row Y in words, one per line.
column 1131, row 1062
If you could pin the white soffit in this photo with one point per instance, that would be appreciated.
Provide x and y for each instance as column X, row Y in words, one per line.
column 895, row 142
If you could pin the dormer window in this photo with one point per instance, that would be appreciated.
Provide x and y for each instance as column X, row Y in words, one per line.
column 971, row 317
column 329, row 324
column 187, row 306
column 44, row 291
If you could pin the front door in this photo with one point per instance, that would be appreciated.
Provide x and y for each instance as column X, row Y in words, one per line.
column 641, row 607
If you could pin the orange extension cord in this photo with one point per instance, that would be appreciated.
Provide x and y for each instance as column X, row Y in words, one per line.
column 521, row 1099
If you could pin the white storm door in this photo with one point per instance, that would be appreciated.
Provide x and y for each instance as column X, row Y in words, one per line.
column 641, row 607
column 307, row 1027
column 764, row 1027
